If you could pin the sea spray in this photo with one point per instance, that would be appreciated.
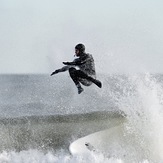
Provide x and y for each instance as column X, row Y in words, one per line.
column 36, row 156
column 40, row 119
column 142, row 106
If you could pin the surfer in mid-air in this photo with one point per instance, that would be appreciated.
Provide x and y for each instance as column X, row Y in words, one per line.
column 86, row 74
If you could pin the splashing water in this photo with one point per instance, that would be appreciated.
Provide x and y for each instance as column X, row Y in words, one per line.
column 35, row 156
column 137, row 139
column 142, row 105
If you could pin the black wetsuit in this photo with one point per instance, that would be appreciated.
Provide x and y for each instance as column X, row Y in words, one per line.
column 86, row 73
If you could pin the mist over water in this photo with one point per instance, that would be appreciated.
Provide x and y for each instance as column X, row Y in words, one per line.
column 37, row 124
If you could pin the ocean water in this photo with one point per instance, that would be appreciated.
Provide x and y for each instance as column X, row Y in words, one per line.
column 44, row 120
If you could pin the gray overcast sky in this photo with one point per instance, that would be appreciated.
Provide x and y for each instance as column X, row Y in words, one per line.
column 123, row 35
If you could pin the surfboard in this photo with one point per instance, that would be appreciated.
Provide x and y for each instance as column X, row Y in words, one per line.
column 115, row 142
column 100, row 142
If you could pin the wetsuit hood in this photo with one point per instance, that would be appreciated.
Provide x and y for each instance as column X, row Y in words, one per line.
column 80, row 47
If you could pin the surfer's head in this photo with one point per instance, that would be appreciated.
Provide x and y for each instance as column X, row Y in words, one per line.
column 79, row 48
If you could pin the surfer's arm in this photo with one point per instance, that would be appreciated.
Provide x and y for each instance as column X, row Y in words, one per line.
column 76, row 62
column 64, row 68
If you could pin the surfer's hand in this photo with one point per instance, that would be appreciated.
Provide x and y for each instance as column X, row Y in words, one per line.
column 66, row 63
column 55, row 72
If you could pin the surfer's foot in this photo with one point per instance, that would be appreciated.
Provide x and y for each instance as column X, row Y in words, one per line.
column 80, row 90
column 98, row 83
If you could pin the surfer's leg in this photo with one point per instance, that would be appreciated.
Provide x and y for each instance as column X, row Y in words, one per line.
column 74, row 77
column 81, row 74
